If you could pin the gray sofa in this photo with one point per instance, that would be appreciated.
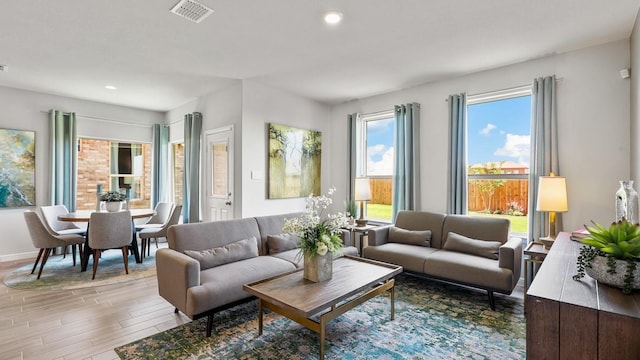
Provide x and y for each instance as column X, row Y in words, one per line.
column 468, row 250
column 206, row 264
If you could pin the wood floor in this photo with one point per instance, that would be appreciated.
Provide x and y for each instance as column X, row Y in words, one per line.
column 85, row 323
column 79, row 324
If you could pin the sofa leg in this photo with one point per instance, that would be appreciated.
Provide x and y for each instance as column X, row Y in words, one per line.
column 175, row 311
column 492, row 301
column 209, row 324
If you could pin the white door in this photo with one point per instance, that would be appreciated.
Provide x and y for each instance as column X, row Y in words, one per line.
column 219, row 168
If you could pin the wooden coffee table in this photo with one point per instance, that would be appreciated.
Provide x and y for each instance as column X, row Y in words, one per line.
column 355, row 280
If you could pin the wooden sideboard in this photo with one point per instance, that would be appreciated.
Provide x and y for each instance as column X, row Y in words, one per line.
column 568, row 319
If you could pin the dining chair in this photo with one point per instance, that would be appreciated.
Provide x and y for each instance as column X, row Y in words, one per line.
column 46, row 241
column 51, row 213
column 110, row 231
column 162, row 213
column 148, row 233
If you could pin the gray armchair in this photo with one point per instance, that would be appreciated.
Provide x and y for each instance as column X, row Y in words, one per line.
column 46, row 241
column 110, row 231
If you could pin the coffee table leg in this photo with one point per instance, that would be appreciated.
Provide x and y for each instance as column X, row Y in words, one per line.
column 259, row 317
column 393, row 303
column 321, row 333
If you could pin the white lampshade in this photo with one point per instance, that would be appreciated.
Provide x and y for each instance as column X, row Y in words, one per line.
column 552, row 194
column 363, row 190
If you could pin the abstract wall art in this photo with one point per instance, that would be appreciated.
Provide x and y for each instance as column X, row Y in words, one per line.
column 294, row 162
column 17, row 168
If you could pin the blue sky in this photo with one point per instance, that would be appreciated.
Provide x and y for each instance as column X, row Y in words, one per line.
column 499, row 130
column 380, row 147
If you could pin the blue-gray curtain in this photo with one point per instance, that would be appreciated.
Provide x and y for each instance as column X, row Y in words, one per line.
column 64, row 158
column 544, row 149
column 160, row 164
column 457, row 186
column 191, row 198
column 406, row 175
column 352, row 130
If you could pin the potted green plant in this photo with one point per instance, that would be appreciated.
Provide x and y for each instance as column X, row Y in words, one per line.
column 113, row 200
column 351, row 210
column 611, row 255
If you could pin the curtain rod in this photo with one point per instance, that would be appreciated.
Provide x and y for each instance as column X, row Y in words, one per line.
column 558, row 79
column 107, row 120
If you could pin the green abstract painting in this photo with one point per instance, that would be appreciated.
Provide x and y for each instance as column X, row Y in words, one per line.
column 294, row 162
column 17, row 168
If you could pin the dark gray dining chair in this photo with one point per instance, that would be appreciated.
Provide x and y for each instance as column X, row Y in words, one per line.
column 46, row 241
column 110, row 230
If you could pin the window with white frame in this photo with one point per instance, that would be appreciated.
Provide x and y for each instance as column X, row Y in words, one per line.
column 375, row 154
column 498, row 151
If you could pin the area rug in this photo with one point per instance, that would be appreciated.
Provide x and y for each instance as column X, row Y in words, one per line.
column 433, row 321
column 60, row 274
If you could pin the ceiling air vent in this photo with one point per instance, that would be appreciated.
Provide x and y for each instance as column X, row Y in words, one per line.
column 191, row 10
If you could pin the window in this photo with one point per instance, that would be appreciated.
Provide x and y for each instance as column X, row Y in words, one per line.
column 127, row 169
column 116, row 166
column 375, row 161
column 498, row 151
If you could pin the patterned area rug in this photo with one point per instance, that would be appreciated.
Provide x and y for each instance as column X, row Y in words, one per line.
column 433, row 321
column 60, row 274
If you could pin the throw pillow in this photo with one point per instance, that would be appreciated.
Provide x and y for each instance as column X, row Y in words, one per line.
column 282, row 242
column 236, row 251
column 411, row 237
column 463, row 244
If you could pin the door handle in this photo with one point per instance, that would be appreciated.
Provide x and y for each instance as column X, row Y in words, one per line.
column 228, row 203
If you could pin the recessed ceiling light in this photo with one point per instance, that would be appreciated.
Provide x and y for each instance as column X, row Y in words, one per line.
column 110, row 87
column 332, row 17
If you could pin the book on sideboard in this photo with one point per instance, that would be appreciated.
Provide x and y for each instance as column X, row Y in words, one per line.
column 579, row 234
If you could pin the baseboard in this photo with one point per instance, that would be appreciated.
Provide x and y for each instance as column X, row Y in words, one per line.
column 21, row 256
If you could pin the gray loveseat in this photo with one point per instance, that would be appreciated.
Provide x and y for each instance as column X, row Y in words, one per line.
column 206, row 264
column 467, row 250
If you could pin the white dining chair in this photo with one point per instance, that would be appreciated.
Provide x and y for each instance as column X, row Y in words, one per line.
column 110, row 230
column 162, row 213
column 46, row 241
column 51, row 213
column 154, row 233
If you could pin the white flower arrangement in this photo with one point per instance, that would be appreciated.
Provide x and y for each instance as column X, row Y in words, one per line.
column 318, row 235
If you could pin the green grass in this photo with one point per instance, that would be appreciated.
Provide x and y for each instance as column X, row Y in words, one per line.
column 383, row 212
column 379, row 212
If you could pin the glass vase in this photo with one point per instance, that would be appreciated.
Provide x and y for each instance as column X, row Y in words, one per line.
column 627, row 202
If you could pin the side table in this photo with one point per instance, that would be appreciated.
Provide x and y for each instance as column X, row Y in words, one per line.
column 535, row 253
column 363, row 231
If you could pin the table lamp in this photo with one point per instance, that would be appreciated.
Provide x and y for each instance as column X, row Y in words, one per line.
column 552, row 198
column 362, row 194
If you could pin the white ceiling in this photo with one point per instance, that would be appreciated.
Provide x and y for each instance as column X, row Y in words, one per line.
column 159, row 61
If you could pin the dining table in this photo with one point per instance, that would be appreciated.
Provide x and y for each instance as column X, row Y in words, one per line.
column 85, row 216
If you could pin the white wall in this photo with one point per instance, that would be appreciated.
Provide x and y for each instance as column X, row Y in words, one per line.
column 263, row 105
column 593, row 125
column 25, row 110
column 220, row 108
column 635, row 102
